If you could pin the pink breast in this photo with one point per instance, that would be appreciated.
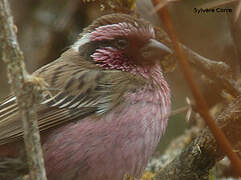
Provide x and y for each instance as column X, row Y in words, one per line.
column 122, row 141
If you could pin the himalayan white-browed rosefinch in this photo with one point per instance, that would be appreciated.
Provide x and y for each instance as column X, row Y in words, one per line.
column 108, row 107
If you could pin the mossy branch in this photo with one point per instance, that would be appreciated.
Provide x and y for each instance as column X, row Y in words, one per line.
column 195, row 161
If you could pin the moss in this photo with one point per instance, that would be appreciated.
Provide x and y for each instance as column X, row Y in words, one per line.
column 147, row 175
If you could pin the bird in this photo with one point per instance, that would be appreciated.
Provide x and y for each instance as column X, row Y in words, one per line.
column 106, row 109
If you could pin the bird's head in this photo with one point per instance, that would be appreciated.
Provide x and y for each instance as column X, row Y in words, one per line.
column 121, row 42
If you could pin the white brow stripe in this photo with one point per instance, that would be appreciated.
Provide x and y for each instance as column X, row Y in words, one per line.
column 80, row 42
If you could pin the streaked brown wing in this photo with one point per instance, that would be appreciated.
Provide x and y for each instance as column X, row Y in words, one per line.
column 75, row 93
column 11, row 126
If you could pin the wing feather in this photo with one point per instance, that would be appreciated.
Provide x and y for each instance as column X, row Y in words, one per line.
column 76, row 93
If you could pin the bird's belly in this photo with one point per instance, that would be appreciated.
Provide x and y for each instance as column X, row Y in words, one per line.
column 119, row 143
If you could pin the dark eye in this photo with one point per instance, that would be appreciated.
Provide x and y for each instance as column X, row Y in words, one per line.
column 121, row 43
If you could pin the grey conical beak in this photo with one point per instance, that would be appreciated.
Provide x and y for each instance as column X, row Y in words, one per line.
column 155, row 50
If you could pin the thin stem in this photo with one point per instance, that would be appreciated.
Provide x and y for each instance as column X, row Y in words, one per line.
column 199, row 99
column 26, row 91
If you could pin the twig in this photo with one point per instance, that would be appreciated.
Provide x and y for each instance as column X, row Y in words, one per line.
column 173, row 150
column 199, row 99
column 26, row 92
column 195, row 161
column 161, row 4
column 217, row 71
column 179, row 110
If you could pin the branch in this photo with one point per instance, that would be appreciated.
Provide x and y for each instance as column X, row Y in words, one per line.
column 25, row 89
column 199, row 157
column 199, row 98
column 217, row 71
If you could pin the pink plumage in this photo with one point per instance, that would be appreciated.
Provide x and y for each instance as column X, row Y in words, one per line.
column 123, row 29
column 111, row 58
column 121, row 142
column 108, row 108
